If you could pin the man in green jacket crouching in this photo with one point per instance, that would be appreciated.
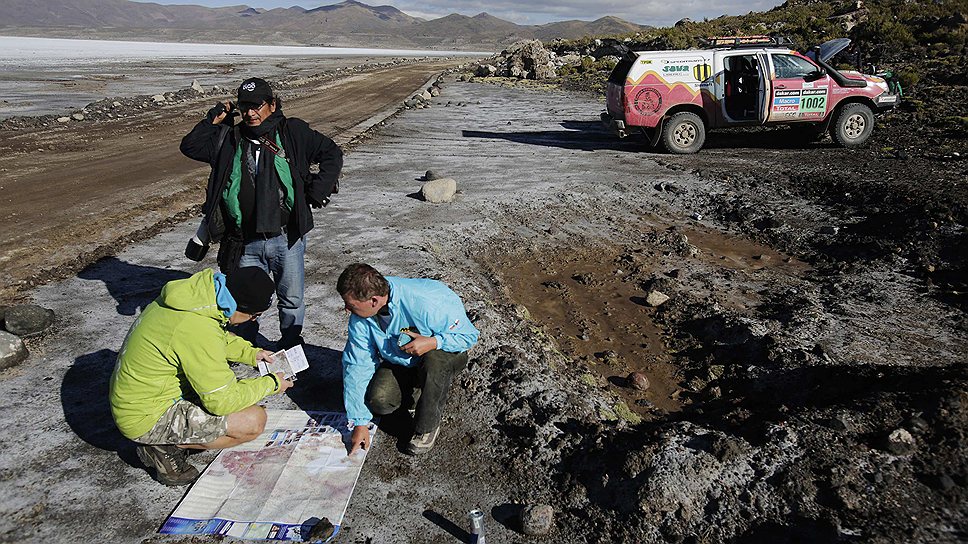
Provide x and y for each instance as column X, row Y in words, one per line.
column 172, row 389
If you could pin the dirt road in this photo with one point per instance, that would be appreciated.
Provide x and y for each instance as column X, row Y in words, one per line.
column 72, row 193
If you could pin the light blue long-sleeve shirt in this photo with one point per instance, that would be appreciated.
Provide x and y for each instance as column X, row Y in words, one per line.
column 427, row 307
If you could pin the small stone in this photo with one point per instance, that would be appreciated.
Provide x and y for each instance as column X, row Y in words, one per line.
column 841, row 422
column 26, row 320
column 63, row 119
column 829, row 229
column 12, row 350
column 762, row 257
column 900, row 442
column 426, row 95
column 321, row 531
column 197, row 87
column 439, row 191
column 116, row 104
column 78, row 116
column 431, row 175
column 656, row 298
column 537, row 519
column 159, row 98
column 638, row 381
column 434, row 91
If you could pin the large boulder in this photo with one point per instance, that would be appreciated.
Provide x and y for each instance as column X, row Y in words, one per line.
column 527, row 59
column 27, row 320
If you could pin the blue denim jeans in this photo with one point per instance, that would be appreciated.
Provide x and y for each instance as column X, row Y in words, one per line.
column 286, row 266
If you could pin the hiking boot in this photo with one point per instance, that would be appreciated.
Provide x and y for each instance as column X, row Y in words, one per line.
column 170, row 463
column 422, row 443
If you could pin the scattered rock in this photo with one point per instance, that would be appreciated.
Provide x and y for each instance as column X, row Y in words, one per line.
column 26, row 320
column 829, row 229
column 900, row 442
column 197, row 87
column 159, row 98
column 656, row 298
column 537, row 519
column 434, row 91
column 321, row 531
column 431, row 176
column 63, row 119
column 638, row 381
column 12, row 350
column 486, row 70
column 425, row 95
column 78, row 116
column 841, row 422
column 439, row 191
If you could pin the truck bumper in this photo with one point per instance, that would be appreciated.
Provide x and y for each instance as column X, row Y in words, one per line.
column 615, row 125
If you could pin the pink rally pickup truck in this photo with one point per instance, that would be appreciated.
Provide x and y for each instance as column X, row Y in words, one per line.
column 676, row 96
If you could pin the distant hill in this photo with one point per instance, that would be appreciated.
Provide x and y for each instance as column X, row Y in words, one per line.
column 348, row 23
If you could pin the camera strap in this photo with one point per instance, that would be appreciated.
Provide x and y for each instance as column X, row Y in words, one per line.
column 273, row 147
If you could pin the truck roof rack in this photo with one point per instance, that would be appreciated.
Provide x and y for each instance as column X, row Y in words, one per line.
column 739, row 42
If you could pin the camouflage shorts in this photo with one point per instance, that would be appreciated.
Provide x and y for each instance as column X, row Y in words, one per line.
column 185, row 423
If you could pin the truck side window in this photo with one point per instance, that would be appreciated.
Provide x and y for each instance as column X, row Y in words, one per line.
column 791, row 66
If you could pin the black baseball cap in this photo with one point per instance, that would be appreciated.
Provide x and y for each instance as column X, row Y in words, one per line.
column 254, row 91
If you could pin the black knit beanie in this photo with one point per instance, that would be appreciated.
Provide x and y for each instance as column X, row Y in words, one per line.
column 251, row 288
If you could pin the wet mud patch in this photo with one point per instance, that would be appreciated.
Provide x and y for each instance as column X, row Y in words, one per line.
column 597, row 313
column 616, row 310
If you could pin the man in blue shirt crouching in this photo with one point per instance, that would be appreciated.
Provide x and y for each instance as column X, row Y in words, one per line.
column 403, row 334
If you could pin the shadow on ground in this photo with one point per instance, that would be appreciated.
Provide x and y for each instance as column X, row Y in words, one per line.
column 132, row 286
column 84, row 398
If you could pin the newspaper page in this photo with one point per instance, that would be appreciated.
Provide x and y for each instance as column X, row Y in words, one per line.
column 289, row 361
column 278, row 486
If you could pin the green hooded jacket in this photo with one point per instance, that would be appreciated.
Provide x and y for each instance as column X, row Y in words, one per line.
column 179, row 346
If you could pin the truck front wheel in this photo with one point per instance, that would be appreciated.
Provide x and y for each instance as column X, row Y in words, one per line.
column 684, row 133
column 853, row 125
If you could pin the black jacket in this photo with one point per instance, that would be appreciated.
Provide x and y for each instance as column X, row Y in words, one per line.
column 303, row 146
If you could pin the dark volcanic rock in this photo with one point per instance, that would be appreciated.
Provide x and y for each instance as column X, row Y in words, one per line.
column 27, row 320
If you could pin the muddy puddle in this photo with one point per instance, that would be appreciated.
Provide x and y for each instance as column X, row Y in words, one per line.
column 593, row 301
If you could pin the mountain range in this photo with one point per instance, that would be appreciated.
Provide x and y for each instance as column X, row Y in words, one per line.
column 347, row 24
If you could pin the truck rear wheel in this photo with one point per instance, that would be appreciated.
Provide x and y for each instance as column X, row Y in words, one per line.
column 684, row 133
column 853, row 125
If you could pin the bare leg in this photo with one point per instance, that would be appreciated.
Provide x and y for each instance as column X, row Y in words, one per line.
column 243, row 426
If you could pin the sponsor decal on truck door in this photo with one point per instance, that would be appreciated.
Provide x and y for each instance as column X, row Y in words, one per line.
column 795, row 95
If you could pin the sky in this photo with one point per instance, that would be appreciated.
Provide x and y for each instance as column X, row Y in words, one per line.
column 536, row 12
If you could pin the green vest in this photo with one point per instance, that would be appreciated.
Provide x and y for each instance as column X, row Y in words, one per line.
column 231, row 193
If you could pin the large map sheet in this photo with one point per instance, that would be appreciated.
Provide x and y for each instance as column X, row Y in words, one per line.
column 278, row 486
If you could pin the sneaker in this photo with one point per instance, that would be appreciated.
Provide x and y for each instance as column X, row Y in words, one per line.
column 170, row 463
column 422, row 443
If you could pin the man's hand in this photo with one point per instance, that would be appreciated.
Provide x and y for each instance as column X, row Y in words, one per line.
column 220, row 112
column 419, row 345
column 359, row 439
column 283, row 382
column 264, row 355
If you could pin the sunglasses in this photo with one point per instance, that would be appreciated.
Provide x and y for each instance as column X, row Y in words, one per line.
column 246, row 106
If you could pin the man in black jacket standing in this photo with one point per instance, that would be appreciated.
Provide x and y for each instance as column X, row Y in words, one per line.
column 260, row 191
